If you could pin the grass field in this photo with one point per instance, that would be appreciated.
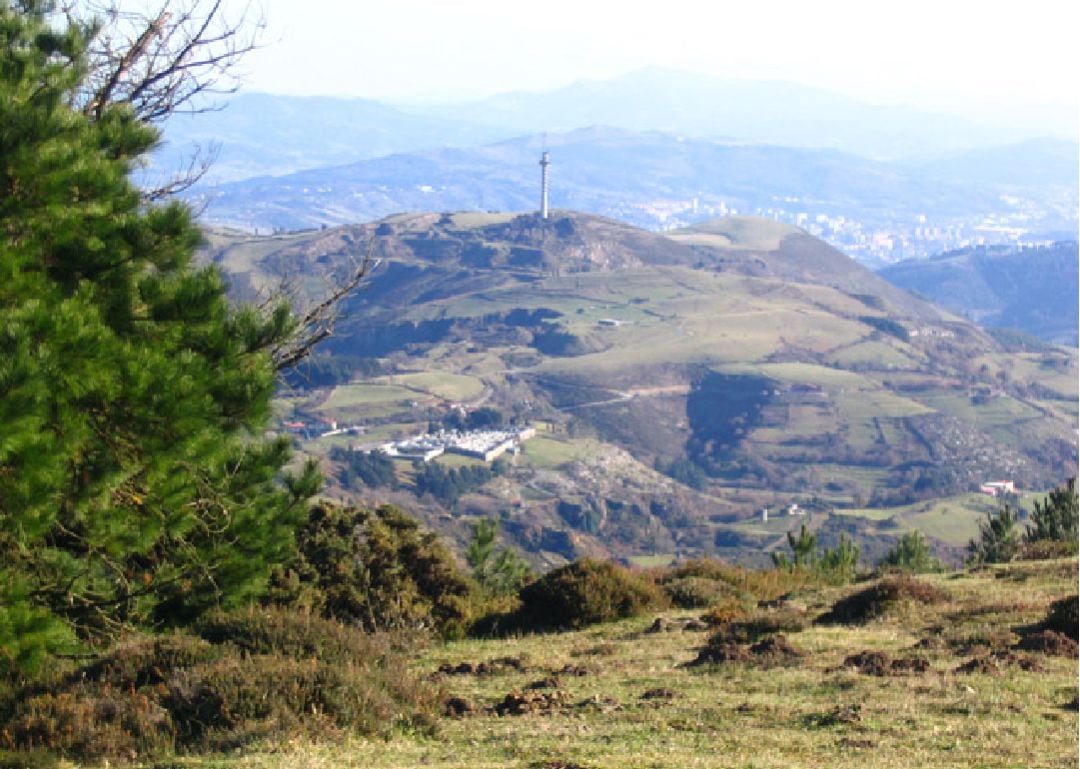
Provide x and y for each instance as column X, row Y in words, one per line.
column 447, row 386
column 635, row 706
column 953, row 520
column 549, row 452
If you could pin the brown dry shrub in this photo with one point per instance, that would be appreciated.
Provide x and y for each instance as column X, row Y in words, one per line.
column 92, row 722
column 294, row 634
column 881, row 598
column 697, row 592
column 727, row 610
column 182, row 694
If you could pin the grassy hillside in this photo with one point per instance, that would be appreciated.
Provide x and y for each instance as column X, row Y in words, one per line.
column 684, row 382
column 941, row 684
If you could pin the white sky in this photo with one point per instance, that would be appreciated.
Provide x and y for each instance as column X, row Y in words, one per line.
column 932, row 53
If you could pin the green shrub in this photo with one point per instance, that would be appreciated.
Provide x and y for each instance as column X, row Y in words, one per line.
column 378, row 569
column 1056, row 519
column 999, row 541
column 912, row 554
column 583, row 593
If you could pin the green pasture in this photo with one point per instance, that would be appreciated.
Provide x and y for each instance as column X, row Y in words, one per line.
column 443, row 385
column 549, row 452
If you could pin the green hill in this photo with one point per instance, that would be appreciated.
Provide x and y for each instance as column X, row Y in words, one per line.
column 683, row 383
column 1032, row 289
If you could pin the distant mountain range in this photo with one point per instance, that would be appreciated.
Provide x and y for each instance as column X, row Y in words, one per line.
column 758, row 110
column 658, row 180
column 262, row 134
column 1033, row 289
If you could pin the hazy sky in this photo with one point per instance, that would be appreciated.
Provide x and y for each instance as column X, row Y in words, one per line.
column 920, row 52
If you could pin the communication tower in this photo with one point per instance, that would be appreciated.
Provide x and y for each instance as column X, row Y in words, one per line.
column 544, row 163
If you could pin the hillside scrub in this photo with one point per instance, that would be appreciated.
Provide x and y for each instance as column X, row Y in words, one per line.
column 264, row 676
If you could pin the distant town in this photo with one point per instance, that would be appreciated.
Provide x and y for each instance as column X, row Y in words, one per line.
column 869, row 241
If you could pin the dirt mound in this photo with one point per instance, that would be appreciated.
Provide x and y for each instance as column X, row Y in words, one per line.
column 458, row 707
column 880, row 598
column 996, row 663
column 491, row 667
column 759, row 625
column 665, row 625
column 518, row 703
column 873, row 663
column 715, row 654
column 544, row 683
column 775, row 649
column 769, row 651
column 660, row 693
column 1049, row 642
column 991, row 641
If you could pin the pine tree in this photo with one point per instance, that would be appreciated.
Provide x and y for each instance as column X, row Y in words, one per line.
column 1056, row 518
column 135, row 482
column 998, row 540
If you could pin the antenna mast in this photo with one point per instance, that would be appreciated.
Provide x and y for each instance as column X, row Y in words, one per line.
column 544, row 163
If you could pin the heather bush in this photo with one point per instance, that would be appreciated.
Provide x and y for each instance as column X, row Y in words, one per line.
column 880, row 598
column 696, row 592
column 760, row 624
column 755, row 584
column 253, row 675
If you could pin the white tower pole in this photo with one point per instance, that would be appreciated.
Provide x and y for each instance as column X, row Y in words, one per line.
column 544, row 163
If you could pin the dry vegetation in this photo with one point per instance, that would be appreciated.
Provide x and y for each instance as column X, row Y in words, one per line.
column 955, row 670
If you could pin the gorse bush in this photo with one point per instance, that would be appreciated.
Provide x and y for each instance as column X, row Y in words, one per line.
column 378, row 569
column 583, row 593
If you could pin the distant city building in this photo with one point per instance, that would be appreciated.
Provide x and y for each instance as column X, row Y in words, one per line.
column 480, row 444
